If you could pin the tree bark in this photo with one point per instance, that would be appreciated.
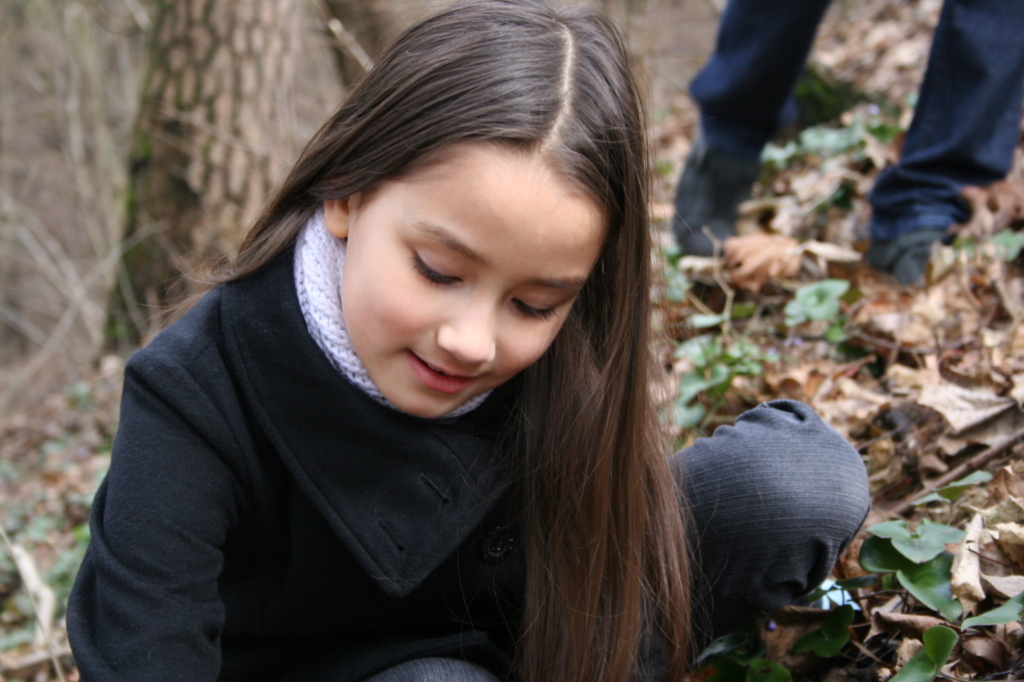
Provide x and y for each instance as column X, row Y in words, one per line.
column 234, row 88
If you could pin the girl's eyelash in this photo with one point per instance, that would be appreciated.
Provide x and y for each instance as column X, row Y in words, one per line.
column 431, row 274
column 437, row 278
column 530, row 311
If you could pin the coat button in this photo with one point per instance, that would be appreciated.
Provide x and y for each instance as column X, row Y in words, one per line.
column 496, row 544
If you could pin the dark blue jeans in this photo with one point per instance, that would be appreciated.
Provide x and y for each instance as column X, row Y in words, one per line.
column 965, row 127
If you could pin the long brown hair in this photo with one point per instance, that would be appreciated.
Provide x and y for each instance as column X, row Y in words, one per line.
column 605, row 552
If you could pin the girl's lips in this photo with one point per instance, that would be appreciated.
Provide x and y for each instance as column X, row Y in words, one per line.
column 435, row 380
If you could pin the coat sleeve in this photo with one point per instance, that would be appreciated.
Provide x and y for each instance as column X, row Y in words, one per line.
column 145, row 604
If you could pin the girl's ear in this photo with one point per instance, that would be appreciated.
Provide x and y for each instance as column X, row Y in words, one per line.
column 336, row 216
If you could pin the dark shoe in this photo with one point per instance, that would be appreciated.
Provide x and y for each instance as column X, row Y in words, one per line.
column 709, row 194
column 906, row 256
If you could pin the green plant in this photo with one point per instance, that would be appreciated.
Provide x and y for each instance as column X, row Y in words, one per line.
column 816, row 301
column 1008, row 243
column 926, row 663
column 949, row 493
column 828, row 640
column 918, row 559
column 716, row 362
column 1012, row 610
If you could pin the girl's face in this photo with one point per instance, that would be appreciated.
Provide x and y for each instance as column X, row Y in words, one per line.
column 459, row 276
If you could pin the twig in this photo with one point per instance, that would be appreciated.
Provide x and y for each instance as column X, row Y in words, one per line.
column 67, row 319
column 20, row 666
column 699, row 304
column 867, row 652
column 988, row 558
column 973, row 464
column 349, row 42
column 716, row 272
column 344, row 38
column 32, row 582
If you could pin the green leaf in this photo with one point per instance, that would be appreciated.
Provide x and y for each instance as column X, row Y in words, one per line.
column 820, row 300
column 836, row 333
column 1010, row 243
column 743, row 310
column 1007, row 613
column 726, row 644
column 727, row 670
column 929, row 583
column 828, row 640
column 858, row 582
column 701, row 350
column 763, row 670
column 920, row 545
column 939, row 642
column 918, row 669
column 688, row 416
column 926, row 663
column 701, row 321
column 877, row 554
column 956, row 488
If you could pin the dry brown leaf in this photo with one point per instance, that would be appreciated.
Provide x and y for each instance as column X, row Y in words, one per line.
column 1011, row 541
column 994, row 430
column 985, row 652
column 909, row 624
column 1006, row 484
column 1004, row 585
column 966, row 569
column 1006, row 200
column 906, row 650
column 964, row 408
column 1009, row 510
column 758, row 258
column 1018, row 389
column 880, row 626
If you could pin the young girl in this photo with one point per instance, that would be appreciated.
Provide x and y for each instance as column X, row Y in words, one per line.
column 410, row 436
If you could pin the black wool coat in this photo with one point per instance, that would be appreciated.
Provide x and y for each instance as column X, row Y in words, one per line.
column 263, row 519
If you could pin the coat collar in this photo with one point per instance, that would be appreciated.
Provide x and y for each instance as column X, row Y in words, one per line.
column 400, row 492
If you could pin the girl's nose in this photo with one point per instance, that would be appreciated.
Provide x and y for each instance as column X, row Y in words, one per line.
column 469, row 337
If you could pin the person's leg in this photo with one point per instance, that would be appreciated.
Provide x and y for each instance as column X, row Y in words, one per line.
column 435, row 670
column 742, row 93
column 773, row 500
column 964, row 131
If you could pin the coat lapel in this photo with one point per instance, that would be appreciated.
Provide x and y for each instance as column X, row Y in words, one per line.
column 400, row 492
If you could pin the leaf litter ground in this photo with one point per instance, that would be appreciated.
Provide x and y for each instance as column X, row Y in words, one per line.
column 926, row 382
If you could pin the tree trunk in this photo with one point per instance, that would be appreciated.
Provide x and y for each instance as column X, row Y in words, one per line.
column 234, row 88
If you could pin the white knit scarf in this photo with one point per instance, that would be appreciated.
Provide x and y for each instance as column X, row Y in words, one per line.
column 319, row 260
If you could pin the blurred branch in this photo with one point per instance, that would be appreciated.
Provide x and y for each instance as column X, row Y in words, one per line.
column 79, row 299
column 344, row 38
column 43, row 600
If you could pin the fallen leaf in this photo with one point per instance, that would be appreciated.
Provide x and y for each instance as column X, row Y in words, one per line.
column 831, row 252
column 906, row 650
column 759, row 258
column 880, row 626
column 909, row 624
column 1003, row 426
column 1011, row 541
column 966, row 571
column 964, row 408
column 1004, row 585
column 1018, row 389
column 986, row 653
column 1006, row 484
column 1008, row 510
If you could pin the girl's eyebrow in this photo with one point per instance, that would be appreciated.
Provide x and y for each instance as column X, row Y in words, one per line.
column 445, row 238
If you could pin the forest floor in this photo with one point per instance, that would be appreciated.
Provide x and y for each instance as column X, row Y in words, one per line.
column 926, row 382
